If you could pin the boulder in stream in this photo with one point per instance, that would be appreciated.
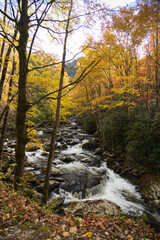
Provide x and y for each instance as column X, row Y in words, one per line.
column 62, row 146
column 56, row 172
column 52, row 185
column 91, row 144
column 67, row 159
column 88, row 146
column 86, row 160
column 100, row 207
column 98, row 151
column 72, row 142
column 46, row 146
column 78, row 179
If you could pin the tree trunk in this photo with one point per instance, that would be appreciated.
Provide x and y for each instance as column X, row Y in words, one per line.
column 156, row 71
column 56, row 124
column 5, row 65
column 22, row 106
column 3, row 131
column 4, row 40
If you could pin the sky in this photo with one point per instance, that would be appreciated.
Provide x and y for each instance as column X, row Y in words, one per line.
column 79, row 36
column 117, row 3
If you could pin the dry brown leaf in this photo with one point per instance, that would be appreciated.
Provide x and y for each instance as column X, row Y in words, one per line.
column 26, row 216
column 59, row 231
column 101, row 225
column 98, row 238
column 6, row 216
column 73, row 230
column 65, row 234
column 85, row 235
column 35, row 215
column 107, row 233
column 63, row 227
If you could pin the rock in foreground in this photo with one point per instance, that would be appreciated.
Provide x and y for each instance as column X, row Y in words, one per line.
column 100, row 207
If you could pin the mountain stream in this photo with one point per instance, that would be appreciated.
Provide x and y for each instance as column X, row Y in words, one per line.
column 84, row 173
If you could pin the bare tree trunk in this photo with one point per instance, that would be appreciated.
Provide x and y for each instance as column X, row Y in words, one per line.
column 56, row 124
column 156, row 71
column 5, row 65
column 7, row 110
column 22, row 106
column 3, row 43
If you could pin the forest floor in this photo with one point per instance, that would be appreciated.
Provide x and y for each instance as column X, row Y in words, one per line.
column 20, row 218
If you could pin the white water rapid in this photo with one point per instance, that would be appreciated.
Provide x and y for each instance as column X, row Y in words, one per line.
column 111, row 186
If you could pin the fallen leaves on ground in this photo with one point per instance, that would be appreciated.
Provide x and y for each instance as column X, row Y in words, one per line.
column 22, row 219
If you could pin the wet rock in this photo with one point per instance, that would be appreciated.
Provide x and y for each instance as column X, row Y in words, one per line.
column 156, row 204
column 72, row 142
column 81, row 137
column 52, row 186
column 105, row 153
column 56, row 152
column 43, row 154
column 98, row 151
column 130, row 196
column 86, row 159
column 56, row 172
column 81, row 180
column 100, row 207
column 58, row 179
column 46, row 146
column 11, row 144
column 63, row 146
column 48, row 130
column 88, row 146
column 9, row 151
column 60, row 139
column 74, row 127
column 152, row 191
column 69, row 135
column 91, row 145
column 67, row 159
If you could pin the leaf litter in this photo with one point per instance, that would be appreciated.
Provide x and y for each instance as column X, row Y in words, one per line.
column 20, row 218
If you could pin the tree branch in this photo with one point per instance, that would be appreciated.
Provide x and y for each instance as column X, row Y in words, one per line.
column 80, row 78
column 12, row 19
column 53, row 64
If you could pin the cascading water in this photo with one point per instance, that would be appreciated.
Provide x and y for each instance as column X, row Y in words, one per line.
column 84, row 179
column 111, row 187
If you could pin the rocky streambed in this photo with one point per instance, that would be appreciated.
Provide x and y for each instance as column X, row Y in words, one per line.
column 82, row 174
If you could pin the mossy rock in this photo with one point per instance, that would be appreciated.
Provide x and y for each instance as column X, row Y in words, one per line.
column 29, row 177
column 55, row 203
